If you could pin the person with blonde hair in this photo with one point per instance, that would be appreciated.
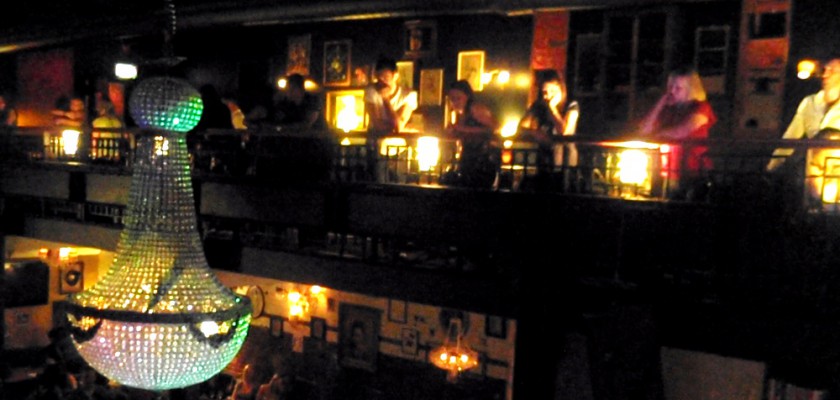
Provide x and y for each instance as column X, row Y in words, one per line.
column 683, row 113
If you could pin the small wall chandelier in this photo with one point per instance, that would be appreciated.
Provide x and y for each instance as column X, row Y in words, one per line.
column 159, row 319
column 301, row 303
column 454, row 358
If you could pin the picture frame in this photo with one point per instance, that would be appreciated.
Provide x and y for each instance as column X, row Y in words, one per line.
column 397, row 311
column 299, row 52
column 337, row 56
column 405, row 71
column 420, row 39
column 431, row 87
column 495, row 327
column 471, row 67
column 409, row 342
column 275, row 326
column 359, row 336
column 72, row 277
column 318, row 328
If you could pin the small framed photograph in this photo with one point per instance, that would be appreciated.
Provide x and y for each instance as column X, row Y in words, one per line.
column 471, row 67
column 410, row 338
column 72, row 277
column 300, row 48
column 405, row 71
column 420, row 39
column 275, row 326
column 358, row 336
column 495, row 326
column 337, row 63
column 397, row 311
column 318, row 328
column 431, row 87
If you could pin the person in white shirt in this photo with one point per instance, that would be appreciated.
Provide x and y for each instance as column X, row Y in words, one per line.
column 817, row 113
column 388, row 104
column 389, row 107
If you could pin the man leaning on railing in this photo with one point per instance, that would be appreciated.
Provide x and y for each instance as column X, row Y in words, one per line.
column 817, row 117
column 817, row 112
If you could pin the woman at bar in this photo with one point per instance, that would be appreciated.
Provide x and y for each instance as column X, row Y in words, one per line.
column 683, row 113
column 548, row 116
column 474, row 127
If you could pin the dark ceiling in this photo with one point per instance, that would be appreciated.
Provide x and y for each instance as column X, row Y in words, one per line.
column 48, row 22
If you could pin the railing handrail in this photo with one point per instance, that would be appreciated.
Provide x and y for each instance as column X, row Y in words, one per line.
column 592, row 167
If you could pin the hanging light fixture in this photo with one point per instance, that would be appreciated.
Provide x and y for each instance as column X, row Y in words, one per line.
column 159, row 319
column 454, row 358
column 300, row 302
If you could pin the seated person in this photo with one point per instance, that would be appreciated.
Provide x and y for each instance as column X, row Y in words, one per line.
column 683, row 113
column 297, row 109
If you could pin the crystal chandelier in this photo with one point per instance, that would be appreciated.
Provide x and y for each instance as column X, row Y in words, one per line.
column 159, row 318
column 456, row 357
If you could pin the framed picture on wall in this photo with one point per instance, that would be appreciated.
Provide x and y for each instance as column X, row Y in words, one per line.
column 358, row 336
column 337, row 63
column 300, row 49
column 318, row 328
column 420, row 39
column 409, row 339
column 471, row 67
column 405, row 69
column 495, row 326
column 431, row 87
column 397, row 311
column 275, row 326
column 72, row 277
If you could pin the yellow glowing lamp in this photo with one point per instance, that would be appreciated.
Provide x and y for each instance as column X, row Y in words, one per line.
column 806, row 69
column 829, row 195
column 347, row 118
column 522, row 80
column 70, row 141
column 428, row 152
column 503, row 78
column 633, row 167
column 510, row 127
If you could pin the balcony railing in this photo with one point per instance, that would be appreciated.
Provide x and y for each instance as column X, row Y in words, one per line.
column 701, row 171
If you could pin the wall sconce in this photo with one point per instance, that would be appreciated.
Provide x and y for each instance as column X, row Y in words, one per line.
column 308, row 84
column 500, row 77
column 806, row 68
column 301, row 303
column 454, row 358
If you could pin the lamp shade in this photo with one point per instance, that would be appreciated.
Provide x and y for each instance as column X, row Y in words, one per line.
column 159, row 318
